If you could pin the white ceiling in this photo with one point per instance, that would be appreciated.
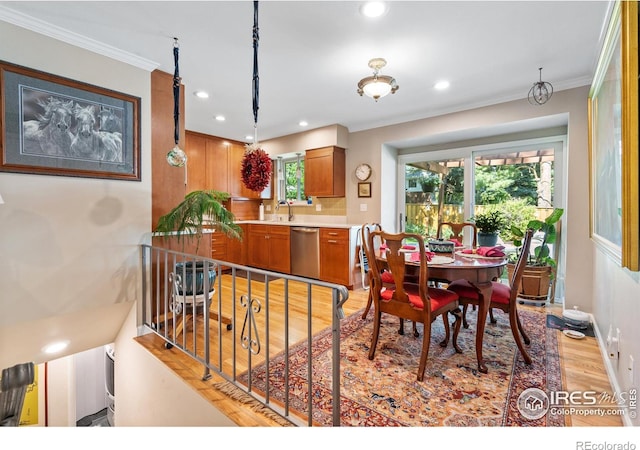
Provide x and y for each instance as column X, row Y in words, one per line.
column 313, row 53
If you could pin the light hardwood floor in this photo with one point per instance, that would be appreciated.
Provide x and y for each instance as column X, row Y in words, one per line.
column 581, row 360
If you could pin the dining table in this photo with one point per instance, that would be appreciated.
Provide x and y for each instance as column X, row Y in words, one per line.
column 478, row 270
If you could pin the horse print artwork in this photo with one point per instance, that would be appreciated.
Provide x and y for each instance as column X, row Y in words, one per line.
column 109, row 121
column 52, row 125
column 91, row 143
column 50, row 132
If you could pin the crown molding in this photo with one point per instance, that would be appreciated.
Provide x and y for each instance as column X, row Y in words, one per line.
column 61, row 34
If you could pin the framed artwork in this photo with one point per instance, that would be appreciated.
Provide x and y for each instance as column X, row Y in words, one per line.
column 51, row 125
column 613, row 140
column 364, row 189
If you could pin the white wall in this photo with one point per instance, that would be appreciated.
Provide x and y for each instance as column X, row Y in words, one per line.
column 70, row 246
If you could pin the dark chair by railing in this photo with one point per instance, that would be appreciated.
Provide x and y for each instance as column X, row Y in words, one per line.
column 13, row 388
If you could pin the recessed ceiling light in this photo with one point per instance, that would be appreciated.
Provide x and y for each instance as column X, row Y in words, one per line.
column 220, row 118
column 249, row 138
column 440, row 85
column 303, row 123
column 55, row 347
column 201, row 94
column 373, row 9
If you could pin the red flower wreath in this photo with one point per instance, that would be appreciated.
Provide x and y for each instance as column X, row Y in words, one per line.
column 256, row 169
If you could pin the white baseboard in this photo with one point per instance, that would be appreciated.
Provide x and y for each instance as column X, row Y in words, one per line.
column 611, row 373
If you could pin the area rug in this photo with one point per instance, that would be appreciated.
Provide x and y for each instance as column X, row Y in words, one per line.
column 385, row 391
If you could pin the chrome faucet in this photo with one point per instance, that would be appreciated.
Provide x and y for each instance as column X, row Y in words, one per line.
column 282, row 202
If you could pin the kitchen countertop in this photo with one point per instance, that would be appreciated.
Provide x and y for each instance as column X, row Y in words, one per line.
column 300, row 224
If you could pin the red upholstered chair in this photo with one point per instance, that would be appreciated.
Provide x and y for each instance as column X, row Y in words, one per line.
column 503, row 296
column 408, row 300
column 457, row 231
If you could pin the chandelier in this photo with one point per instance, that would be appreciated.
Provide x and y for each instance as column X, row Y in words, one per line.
column 540, row 92
column 377, row 86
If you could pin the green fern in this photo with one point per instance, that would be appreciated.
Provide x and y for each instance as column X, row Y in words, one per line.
column 197, row 210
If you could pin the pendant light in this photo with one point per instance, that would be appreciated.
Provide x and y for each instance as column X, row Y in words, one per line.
column 540, row 92
column 176, row 156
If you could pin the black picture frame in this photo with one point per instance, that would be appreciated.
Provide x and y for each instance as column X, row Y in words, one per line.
column 50, row 125
column 364, row 190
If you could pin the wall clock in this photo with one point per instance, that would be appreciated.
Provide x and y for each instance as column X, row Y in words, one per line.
column 363, row 172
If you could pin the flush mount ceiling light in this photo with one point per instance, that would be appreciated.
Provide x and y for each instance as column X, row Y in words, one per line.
column 540, row 92
column 377, row 86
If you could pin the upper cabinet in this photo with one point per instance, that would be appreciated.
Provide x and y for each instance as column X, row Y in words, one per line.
column 325, row 172
column 215, row 163
column 206, row 163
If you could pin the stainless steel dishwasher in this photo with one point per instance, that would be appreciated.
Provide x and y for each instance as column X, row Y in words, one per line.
column 305, row 252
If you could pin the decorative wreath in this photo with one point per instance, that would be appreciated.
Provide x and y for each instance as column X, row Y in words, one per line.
column 256, row 169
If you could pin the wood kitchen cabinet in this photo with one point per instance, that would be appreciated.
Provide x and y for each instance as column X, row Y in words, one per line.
column 207, row 163
column 237, row 248
column 269, row 247
column 324, row 172
column 335, row 254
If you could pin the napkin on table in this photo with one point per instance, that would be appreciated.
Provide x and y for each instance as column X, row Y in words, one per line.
column 496, row 251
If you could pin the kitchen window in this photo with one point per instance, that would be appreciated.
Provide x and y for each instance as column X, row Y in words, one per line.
column 291, row 178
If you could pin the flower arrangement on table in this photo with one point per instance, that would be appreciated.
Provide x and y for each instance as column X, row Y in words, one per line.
column 256, row 168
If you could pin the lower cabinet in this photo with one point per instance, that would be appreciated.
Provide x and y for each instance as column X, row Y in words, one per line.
column 269, row 247
column 335, row 256
column 237, row 248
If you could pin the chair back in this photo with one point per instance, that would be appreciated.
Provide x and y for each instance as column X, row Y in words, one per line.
column 396, row 259
column 518, row 271
column 457, row 230
column 365, row 230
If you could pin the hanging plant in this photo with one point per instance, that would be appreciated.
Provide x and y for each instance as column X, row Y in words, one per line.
column 256, row 169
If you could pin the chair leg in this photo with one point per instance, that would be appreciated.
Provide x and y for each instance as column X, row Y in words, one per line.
column 525, row 337
column 491, row 318
column 401, row 328
column 369, row 303
column 464, row 315
column 513, row 321
column 426, row 341
column 415, row 329
column 447, row 332
column 374, row 335
column 456, row 328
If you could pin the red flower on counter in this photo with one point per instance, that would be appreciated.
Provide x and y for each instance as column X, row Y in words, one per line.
column 256, row 169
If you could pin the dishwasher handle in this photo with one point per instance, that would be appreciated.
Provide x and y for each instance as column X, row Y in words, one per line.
column 305, row 230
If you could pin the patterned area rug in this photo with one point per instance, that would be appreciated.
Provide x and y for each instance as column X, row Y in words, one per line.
column 385, row 391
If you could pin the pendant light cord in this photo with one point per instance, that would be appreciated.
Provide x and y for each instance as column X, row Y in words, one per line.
column 256, row 77
column 176, row 93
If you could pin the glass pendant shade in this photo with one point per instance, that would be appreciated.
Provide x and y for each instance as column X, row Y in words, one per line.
column 176, row 157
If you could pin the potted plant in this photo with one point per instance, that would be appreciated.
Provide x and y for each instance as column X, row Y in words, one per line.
column 489, row 225
column 429, row 183
column 199, row 210
column 541, row 265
